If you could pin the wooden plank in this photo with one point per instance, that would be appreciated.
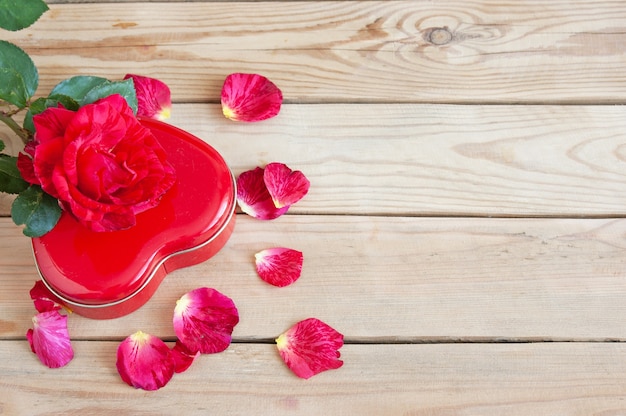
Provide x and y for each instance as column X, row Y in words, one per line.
column 380, row 279
column 468, row 379
column 408, row 159
column 402, row 51
column 436, row 159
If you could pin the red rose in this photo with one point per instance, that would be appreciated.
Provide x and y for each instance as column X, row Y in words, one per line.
column 100, row 163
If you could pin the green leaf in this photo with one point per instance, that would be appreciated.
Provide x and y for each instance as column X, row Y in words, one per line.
column 77, row 87
column 19, row 14
column 12, row 87
column 37, row 210
column 18, row 75
column 28, row 122
column 11, row 181
column 86, row 90
column 125, row 88
column 41, row 104
column 2, row 146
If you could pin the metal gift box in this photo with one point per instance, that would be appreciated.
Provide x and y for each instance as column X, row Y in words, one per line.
column 109, row 274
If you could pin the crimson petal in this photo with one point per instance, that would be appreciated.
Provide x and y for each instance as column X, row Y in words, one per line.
column 279, row 266
column 285, row 186
column 183, row 358
column 310, row 347
column 50, row 340
column 25, row 163
column 43, row 298
column 253, row 197
column 144, row 361
column 204, row 320
column 154, row 99
column 250, row 97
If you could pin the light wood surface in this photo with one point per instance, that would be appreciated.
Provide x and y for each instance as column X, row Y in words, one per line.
column 444, row 379
column 419, row 159
column 465, row 228
column 390, row 279
column 407, row 51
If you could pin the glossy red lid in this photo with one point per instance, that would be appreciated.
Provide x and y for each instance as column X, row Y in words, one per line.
column 99, row 268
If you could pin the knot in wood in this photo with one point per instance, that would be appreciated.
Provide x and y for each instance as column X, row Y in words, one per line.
column 438, row 36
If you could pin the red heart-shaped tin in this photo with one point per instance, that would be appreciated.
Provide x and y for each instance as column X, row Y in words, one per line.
column 109, row 274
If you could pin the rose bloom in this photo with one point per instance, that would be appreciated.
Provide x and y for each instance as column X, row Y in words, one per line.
column 99, row 162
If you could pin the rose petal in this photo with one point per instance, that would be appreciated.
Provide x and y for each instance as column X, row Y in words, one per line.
column 50, row 125
column 310, row 347
column 144, row 361
column 204, row 320
column 183, row 358
column 254, row 198
column 250, row 97
column 285, row 186
column 25, row 163
column 43, row 298
column 154, row 99
column 279, row 266
column 50, row 340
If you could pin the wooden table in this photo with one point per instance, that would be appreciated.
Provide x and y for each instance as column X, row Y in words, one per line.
column 465, row 228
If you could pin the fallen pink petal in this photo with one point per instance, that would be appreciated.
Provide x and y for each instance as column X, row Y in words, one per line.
column 154, row 99
column 50, row 340
column 279, row 266
column 250, row 97
column 310, row 347
column 204, row 320
column 285, row 186
column 183, row 358
column 145, row 361
column 253, row 197
column 43, row 298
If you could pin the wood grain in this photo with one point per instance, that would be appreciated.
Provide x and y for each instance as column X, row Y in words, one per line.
column 433, row 160
column 436, row 159
column 452, row 379
column 386, row 279
column 379, row 51
column 465, row 228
